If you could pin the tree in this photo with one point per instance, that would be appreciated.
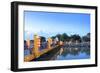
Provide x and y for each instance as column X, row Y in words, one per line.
column 53, row 37
column 43, row 39
column 65, row 37
column 88, row 35
column 75, row 37
column 86, row 38
column 58, row 36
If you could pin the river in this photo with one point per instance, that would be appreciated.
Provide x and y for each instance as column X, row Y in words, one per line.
column 70, row 53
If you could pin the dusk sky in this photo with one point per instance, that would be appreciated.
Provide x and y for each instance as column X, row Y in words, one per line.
column 49, row 23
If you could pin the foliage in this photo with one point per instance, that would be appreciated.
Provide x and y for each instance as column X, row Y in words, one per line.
column 86, row 38
column 43, row 39
column 75, row 37
column 64, row 37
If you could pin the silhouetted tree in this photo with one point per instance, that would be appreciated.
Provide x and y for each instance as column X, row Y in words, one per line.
column 53, row 37
column 65, row 37
column 75, row 37
column 86, row 38
column 59, row 36
column 43, row 39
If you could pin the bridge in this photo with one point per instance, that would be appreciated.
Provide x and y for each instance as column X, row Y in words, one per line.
column 49, row 52
column 45, row 54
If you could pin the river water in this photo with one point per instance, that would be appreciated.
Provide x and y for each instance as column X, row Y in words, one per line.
column 70, row 53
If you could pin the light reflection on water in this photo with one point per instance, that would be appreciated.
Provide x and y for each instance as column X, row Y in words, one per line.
column 74, row 53
column 69, row 53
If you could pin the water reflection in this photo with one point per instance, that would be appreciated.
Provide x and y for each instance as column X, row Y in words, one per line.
column 74, row 53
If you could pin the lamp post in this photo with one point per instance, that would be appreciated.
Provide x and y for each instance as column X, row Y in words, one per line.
column 49, row 43
column 28, row 40
column 36, row 45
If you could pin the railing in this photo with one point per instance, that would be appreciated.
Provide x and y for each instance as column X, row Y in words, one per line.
column 32, row 56
column 35, row 50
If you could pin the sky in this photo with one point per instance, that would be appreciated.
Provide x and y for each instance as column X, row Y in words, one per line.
column 49, row 24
